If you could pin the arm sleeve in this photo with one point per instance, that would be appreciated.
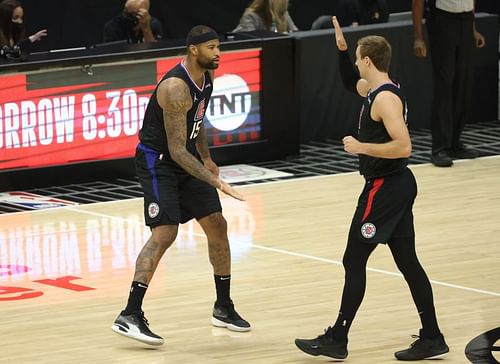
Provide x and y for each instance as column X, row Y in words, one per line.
column 350, row 76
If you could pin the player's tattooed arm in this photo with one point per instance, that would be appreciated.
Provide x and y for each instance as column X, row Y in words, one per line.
column 202, row 143
column 202, row 147
column 174, row 98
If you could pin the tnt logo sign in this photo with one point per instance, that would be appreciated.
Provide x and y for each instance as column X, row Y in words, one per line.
column 230, row 104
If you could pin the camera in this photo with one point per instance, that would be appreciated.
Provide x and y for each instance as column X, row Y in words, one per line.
column 130, row 19
column 7, row 52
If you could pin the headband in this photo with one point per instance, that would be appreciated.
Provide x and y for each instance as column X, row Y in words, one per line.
column 202, row 38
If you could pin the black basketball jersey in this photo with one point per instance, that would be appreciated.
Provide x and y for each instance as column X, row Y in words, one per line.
column 153, row 134
column 371, row 131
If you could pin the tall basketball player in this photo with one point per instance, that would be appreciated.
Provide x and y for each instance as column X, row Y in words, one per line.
column 180, row 182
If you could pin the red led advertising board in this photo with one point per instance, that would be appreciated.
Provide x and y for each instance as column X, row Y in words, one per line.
column 55, row 117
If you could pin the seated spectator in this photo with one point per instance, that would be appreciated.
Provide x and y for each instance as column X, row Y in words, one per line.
column 134, row 24
column 355, row 12
column 270, row 15
column 13, row 40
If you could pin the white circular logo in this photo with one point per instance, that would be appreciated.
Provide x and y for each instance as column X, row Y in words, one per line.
column 153, row 209
column 368, row 230
column 230, row 102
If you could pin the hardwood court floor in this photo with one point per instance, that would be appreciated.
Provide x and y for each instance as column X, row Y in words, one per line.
column 65, row 274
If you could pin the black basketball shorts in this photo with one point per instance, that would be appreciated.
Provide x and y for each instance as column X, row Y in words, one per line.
column 171, row 195
column 384, row 208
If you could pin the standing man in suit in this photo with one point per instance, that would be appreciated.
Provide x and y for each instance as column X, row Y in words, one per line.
column 452, row 38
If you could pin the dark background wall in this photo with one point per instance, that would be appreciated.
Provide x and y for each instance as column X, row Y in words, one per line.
column 73, row 23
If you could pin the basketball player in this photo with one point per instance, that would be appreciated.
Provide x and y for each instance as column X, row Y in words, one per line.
column 384, row 211
column 179, row 180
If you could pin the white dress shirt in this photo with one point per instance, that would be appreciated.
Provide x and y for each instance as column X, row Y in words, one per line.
column 455, row 6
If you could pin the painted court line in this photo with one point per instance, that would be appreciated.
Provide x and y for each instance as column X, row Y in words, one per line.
column 299, row 255
column 331, row 261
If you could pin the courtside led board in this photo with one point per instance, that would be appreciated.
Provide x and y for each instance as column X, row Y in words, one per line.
column 62, row 116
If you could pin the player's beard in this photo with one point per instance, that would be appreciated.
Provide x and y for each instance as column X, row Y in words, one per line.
column 208, row 64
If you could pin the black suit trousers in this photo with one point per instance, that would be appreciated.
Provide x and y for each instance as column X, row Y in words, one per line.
column 452, row 45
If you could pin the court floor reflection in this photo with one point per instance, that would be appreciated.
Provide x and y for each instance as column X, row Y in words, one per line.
column 80, row 241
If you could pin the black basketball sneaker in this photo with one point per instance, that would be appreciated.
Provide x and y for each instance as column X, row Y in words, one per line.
column 136, row 326
column 424, row 348
column 324, row 345
column 226, row 316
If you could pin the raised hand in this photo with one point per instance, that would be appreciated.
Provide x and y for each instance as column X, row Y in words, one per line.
column 339, row 35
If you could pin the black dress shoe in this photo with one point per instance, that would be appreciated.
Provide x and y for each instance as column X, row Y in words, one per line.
column 441, row 159
column 463, row 152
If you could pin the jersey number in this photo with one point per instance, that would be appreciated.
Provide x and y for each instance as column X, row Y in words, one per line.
column 196, row 129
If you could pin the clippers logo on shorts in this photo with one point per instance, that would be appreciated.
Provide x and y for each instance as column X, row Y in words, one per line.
column 368, row 230
column 200, row 111
column 153, row 210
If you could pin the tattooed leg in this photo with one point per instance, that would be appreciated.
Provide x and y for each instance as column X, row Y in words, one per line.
column 149, row 257
column 215, row 227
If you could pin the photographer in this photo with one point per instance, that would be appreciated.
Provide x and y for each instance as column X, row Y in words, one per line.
column 135, row 24
column 13, row 39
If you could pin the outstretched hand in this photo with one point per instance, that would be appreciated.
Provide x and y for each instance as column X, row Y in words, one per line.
column 230, row 191
column 38, row 35
column 211, row 166
column 339, row 35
